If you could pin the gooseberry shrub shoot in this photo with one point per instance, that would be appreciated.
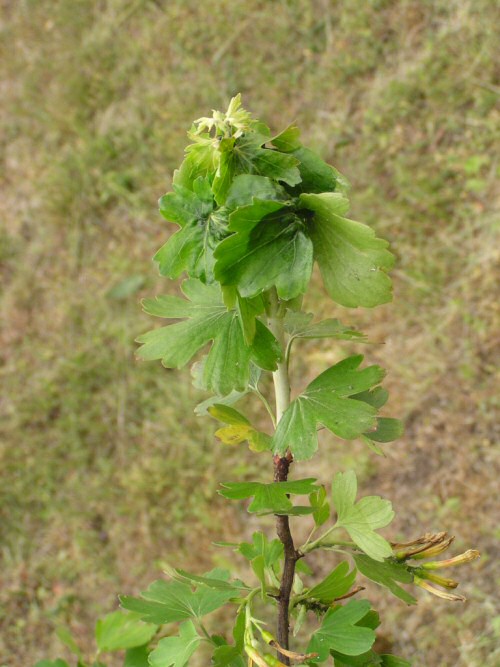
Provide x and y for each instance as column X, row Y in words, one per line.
column 254, row 212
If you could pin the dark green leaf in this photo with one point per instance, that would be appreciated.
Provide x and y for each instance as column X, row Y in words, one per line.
column 137, row 657
column 246, row 187
column 276, row 252
column 270, row 498
column 316, row 175
column 191, row 248
column 327, row 401
column 228, row 656
column 245, row 155
column 352, row 260
column 387, row 430
column 386, row 573
column 336, row 584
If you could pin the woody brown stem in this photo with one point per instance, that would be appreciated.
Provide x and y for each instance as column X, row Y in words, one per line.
column 281, row 468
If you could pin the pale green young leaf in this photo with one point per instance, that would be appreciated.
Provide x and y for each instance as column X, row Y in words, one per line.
column 321, row 506
column 352, row 260
column 336, row 584
column 176, row 651
column 118, row 630
column 168, row 602
column 270, row 498
column 214, row 581
column 327, row 401
column 299, row 325
column 228, row 415
column 363, row 518
column 339, row 632
column 270, row 550
column 239, row 429
column 386, row 573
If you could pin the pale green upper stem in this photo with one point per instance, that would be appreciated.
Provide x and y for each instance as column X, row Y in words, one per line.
column 280, row 375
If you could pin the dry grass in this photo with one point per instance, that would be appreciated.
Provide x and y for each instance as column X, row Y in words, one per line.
column 104, row 471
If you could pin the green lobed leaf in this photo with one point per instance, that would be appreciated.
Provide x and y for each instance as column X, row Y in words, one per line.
column 386, row 573
column 277, row 251
column 299, row 325
column 176, row 651
column 327, row 401
column 352, row 260
column 247, row 187
column 246, row 155
column 228, row 656
column 168, row 602
column 387, row 430
column 227, row 366
column 239, row 429
column 321, row 506
column 270, row 550
column 316, row 175
column 270, row 498
column 118, row 630
column 336, row 584
column 288, row 140
column 363, row 518
column 339, row 632
column 137, row 657
column 191, row 248
column 211, row 582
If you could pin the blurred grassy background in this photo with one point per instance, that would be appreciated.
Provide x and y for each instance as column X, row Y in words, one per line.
column 104, row 469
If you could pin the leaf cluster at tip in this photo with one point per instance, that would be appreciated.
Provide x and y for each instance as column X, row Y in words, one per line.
column 254, row 212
